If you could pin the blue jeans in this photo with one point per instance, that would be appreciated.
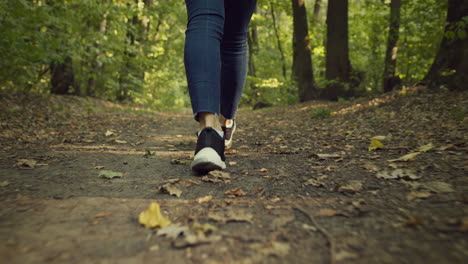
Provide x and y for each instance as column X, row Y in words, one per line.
column 215, row 54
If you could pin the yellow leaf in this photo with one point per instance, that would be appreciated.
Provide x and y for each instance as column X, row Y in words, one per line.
column 406, row 157
column 426, row 148
column 152, row 217
column 375, row 144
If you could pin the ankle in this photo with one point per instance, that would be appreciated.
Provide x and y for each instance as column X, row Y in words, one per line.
column 209, row 120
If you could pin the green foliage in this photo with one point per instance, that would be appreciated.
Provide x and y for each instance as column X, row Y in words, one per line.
column 124, row 50
column 320, row 113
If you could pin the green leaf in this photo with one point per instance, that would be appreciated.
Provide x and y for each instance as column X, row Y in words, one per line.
column 110, row 174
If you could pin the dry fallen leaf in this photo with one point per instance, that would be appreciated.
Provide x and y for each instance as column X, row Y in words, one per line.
column 217, row 176
column 375, row 144
column 152, row 217
column 407, row 157
column 417, row 195
column 352, row 187
column 426, row 148
column 314, row 182
column 170, row 189
column 204, row 199
column 26, row 163
column 101, row 215
column 109, row 133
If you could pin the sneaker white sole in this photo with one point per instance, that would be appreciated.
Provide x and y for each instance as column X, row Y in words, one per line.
column 207, row 160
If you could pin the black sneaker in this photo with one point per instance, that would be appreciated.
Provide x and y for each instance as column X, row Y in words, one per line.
column 209, row 154
column 228, row 133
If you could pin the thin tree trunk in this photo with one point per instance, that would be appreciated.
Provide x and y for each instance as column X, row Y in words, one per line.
column 278, row 40
column 450, row 67
column 62, row 78
column 317, row 8
column 97, row 68
column 338, row 66
column 302, row 61
column 389, row 78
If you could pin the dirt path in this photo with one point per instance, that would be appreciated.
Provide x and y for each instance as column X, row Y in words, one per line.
column 297, row 189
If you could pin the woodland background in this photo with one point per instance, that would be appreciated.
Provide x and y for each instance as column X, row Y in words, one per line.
column 132, row 50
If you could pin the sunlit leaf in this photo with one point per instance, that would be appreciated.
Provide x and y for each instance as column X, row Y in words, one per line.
column 152, row 217
column 375, row 144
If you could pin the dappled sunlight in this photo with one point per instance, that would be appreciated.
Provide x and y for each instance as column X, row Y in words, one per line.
column 368, row 104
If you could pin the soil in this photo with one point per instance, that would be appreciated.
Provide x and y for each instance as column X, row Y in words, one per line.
column 301, row 185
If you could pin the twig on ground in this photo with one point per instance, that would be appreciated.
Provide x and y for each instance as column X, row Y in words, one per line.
column 328, row 237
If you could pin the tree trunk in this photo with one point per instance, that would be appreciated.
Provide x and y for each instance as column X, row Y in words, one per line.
column 62, row 78
column 389, row 78
column 450, row 67
column 338, row 66
column 302, row 61
column 96, row 67
column 317, row 8
column 131, row 76
column 252, row 40
column 278, row 40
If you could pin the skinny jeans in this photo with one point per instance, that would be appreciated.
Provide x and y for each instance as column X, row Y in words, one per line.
column 215, row 54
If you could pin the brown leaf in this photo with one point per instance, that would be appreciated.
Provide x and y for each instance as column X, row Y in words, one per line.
column 26, row 163
column 101, row 215
column 170, row 189
column 217, row 176
column 204, row 199
column 417, row 195
column 351, row 188
column 314, row 182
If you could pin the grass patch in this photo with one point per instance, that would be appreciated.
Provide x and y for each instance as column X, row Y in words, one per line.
column 320, row 113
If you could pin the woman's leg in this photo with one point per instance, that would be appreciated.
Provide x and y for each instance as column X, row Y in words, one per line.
column 234, row 53
column 203, row 69
column 202, row 57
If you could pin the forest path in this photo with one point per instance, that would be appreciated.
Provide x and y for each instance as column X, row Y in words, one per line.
column 297, row 189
